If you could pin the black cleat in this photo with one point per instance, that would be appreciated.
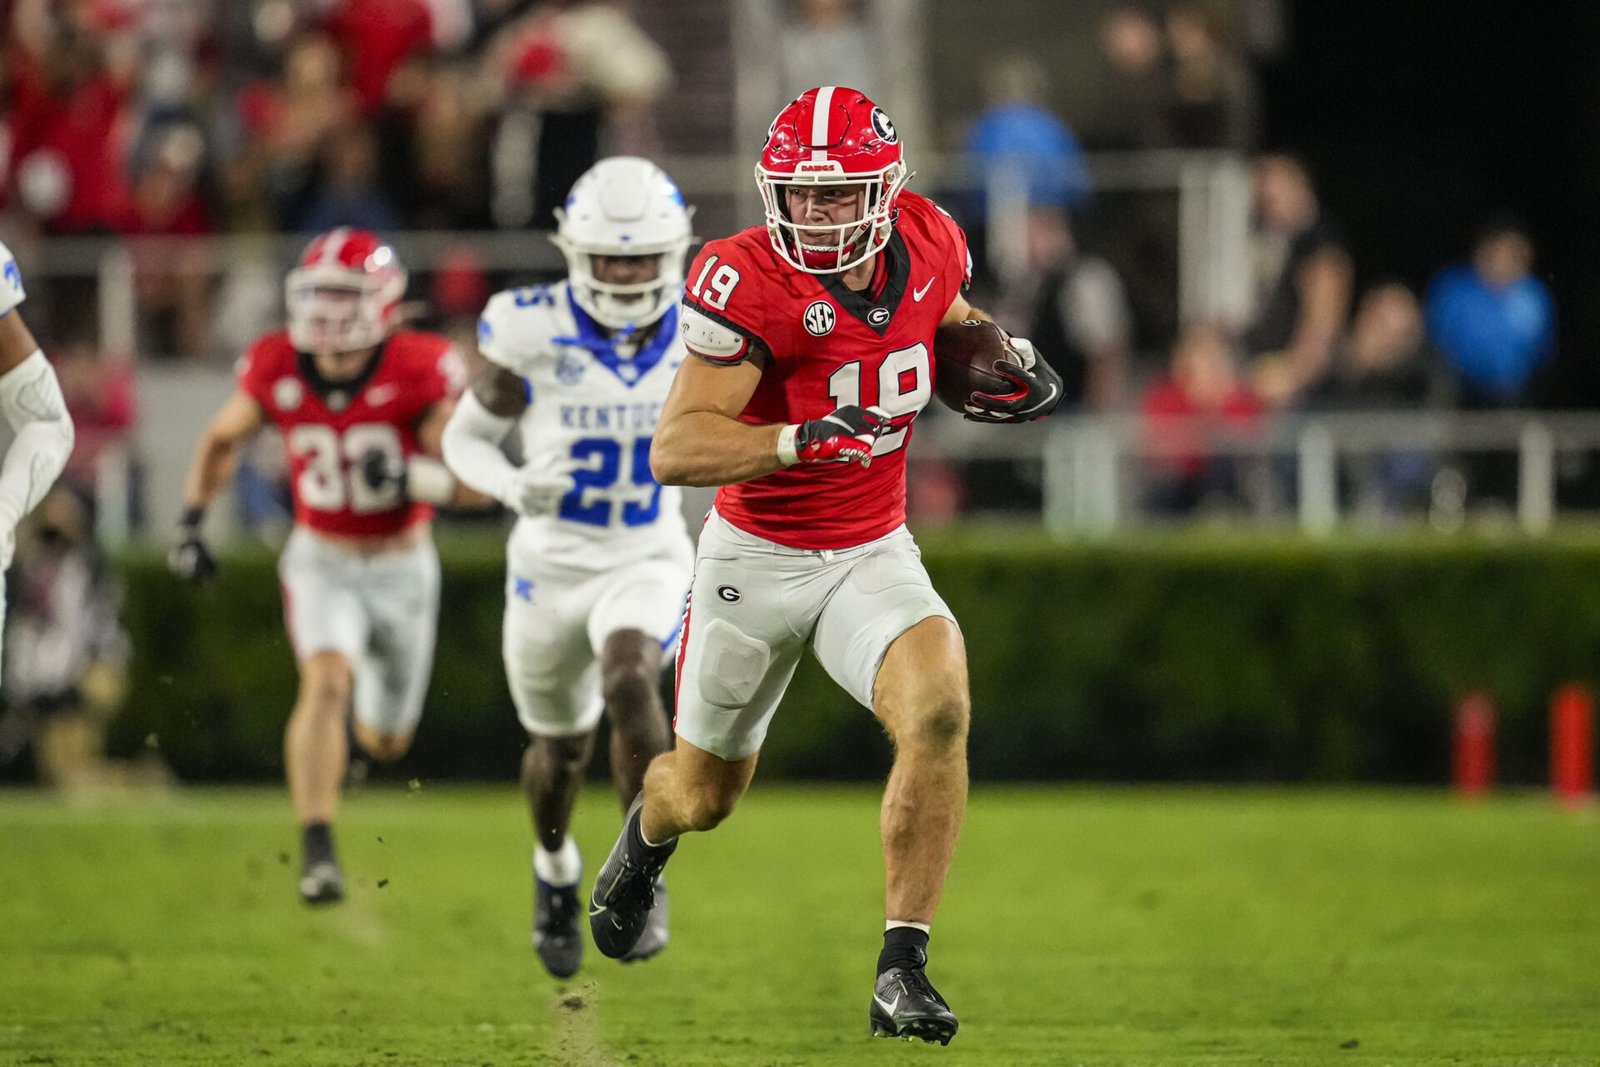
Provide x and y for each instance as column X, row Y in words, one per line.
column 321, row 881
column 625, row 889
column 555, row 928
column 654, row 938
column 905, row 1005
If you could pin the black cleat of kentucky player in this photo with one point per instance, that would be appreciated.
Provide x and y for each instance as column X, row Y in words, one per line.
column 905, row 1004
column 555, row 928
column 625, row 889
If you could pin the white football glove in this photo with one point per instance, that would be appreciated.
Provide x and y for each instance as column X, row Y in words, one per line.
column 532, row 491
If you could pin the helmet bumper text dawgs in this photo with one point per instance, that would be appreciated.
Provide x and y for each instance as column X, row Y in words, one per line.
column 624, row 206
column 343, row 294
column 832, row 136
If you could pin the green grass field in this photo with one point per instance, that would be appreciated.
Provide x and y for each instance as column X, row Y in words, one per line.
column 1080, row 926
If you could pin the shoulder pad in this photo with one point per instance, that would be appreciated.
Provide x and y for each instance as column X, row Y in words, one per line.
column 515, row 324
column 11, row 293
column 710, row 339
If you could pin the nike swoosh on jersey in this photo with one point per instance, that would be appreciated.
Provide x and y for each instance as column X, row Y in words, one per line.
column 918, row 294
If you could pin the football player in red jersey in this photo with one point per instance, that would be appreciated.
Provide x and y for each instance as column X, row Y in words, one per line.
column 813, row 335
column 361, row 406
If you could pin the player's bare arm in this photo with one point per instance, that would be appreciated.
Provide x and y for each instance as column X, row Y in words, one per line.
column 700, row 440
column 426, row 477
column 215, row 458
column 501, row 392
column 470, row 441
column 217, row 454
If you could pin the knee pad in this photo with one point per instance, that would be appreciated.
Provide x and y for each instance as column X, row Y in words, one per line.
column 732, row 664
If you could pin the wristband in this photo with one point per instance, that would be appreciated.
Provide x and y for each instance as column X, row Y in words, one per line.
column 787, row 456
column 429, row 481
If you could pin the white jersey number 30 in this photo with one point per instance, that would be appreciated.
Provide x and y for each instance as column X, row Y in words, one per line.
column 331, row 479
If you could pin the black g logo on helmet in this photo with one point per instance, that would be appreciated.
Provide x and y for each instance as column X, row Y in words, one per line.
column 885, row 128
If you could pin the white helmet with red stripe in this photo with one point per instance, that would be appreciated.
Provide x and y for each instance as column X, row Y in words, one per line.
column 624, row 206
column 343, row 294
column 832, row 136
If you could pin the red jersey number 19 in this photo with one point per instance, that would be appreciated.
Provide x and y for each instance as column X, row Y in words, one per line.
column 904, row 387
column 713, row 288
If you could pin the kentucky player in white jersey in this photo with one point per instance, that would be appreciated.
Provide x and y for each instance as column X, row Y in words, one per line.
column 599, row 561
column 31, row 404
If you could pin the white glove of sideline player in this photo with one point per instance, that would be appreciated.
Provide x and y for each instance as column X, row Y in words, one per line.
column 532, row 492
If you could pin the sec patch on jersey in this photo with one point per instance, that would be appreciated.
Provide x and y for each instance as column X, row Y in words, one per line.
column 964, row 355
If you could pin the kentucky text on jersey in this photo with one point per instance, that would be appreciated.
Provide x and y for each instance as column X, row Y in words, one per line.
column 634, row 418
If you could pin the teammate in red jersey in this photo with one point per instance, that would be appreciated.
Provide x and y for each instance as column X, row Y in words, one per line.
column 361, row 406
column 814, row 338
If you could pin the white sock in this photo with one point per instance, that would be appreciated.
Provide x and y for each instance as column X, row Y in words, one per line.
column 562, row 867
column 890, row 924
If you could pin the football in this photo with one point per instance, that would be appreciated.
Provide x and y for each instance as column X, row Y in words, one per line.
column 964, row 354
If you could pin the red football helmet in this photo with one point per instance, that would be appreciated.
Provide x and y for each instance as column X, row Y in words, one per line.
column 343, row 294
column 832, row 136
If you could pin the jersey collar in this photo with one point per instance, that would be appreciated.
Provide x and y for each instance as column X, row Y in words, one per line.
column 339, row 395
column 602, row 346
column 875, row 314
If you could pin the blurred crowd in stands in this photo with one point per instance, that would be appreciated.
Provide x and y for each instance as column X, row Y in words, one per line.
column 177, row 118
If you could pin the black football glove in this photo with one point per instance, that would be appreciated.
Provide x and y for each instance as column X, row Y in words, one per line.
column 379, row 471
column 845, row 435
column 1038, row 389
column 190, row 559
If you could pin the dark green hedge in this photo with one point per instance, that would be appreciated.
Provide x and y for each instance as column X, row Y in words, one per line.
column 1158, row 659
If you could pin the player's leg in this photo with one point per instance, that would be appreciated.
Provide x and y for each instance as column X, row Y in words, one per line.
column 400, row 595
column 887, row 638
column 636, row 618
column 315, row 753
column 737, row 651
column 630, row 687
column 327, row 626
column 554, row 683
column 920, row 696
column 630, row 683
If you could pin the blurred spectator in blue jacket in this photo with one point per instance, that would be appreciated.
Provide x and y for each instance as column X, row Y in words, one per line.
column 1021, row 157
column 1493, row 320
column 1018, row 134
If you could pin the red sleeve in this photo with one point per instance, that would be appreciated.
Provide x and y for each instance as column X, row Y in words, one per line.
column 443, row 372
column 725, row 310
column 956, row 240
column 255, row 372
